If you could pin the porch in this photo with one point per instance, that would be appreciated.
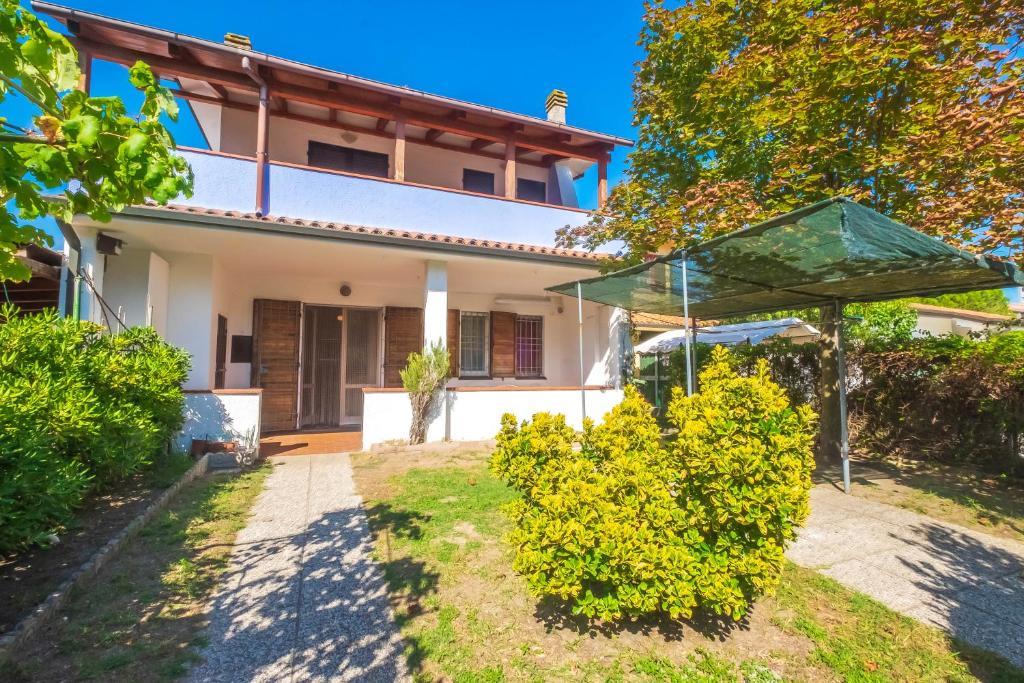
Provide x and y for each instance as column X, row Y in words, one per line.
column 321, row 319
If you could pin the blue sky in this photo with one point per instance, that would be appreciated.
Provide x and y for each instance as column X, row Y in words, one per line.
column 477, row 51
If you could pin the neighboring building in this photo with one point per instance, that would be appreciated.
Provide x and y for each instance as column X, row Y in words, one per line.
column 649, row 325
column 939, row 320
column 340, row 223
column 1017, row 310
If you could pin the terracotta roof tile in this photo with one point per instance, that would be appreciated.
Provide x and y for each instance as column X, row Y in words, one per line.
column 410, row 235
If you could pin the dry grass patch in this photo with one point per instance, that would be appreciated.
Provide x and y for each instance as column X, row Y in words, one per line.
column 141, row 618
column 978, row 500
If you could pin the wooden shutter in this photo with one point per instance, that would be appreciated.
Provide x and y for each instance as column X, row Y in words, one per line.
column 403, row 334
column 275, row 361
column 454, row 318
column 503, row 344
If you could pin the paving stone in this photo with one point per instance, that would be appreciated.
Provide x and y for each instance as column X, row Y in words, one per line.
column 302, row 599
column 961, row 580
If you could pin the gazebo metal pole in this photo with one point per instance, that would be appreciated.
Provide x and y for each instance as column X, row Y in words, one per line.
column 844, row 428
column 657, row 380
column 579, row 311
column 686, row 327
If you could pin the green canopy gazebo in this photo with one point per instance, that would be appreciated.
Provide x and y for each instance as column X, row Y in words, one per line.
column 824, row 255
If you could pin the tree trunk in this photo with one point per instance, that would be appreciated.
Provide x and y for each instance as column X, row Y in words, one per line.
column 830, row 427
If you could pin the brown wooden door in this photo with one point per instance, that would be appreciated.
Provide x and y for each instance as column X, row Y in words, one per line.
column 403, row 334
column 221, row 369
column 275, row 361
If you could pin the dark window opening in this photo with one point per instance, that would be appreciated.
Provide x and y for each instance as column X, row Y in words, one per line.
column 241, row 348
column 477, row 181
column 338, row 158
column 533, row 190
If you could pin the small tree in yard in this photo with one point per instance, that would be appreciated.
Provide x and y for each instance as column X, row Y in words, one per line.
column 620, row 525
column 88, row 149
column 423, row 376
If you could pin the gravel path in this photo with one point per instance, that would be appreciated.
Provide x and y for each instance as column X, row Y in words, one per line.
column 964, row 581
column 302, row 600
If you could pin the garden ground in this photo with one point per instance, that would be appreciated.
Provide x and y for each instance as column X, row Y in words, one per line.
column 142, row 616
column 467, row 616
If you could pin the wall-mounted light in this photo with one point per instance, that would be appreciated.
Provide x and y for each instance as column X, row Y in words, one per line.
column 345, row 290
column 349, row 137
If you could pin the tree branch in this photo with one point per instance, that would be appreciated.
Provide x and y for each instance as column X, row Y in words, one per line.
column 31, row 98
column 8, row 138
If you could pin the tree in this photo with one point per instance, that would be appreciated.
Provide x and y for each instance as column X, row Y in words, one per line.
column 750, row 108
column 79, row 154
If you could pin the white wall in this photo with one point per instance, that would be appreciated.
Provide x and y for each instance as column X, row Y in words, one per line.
column 476, row 415
column 190, row 313
column 158, row 287
column 126, row 285
column 219, row 416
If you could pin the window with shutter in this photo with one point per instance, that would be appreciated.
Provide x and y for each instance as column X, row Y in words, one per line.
column 529, row 346
column 474, row 349
column 477, row 181
column 348, row 159
column 533, row 190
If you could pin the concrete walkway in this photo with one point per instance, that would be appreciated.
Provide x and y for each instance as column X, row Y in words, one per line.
column 302, row 600
column 964, row 581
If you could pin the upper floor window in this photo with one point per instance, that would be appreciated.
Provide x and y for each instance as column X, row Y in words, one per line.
column 533, row 190
column 474, row 343
column 477, row 181
column 349, row 159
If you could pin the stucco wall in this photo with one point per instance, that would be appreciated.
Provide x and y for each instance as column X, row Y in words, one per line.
column 190, row 313
column 476, row 415
column 219, row 416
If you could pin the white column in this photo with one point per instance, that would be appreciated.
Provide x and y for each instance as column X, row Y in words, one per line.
column 91, row 263
column 435, row 303
column 620, row 346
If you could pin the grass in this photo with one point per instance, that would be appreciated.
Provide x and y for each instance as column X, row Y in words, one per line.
column 467, row 617
column 140, row 619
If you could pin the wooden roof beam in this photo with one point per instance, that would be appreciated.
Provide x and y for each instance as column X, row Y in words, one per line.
column 382, row 123
column 165, row 66
column 433, row 134
column 478, row 144
column 425, row 120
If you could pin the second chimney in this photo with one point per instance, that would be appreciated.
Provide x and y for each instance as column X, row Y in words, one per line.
column 556, row 104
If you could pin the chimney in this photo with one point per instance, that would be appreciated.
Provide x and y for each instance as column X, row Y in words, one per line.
column 556, row 103
column 238, row 40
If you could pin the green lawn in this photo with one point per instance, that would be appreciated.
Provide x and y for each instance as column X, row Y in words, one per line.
column 140, row 619
column 467, row 617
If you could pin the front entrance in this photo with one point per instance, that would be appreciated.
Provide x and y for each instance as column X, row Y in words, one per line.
column 340, row 356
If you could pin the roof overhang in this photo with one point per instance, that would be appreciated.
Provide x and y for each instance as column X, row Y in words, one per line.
column 384, row 237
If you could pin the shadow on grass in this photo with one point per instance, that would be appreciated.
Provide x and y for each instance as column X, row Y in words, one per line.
column 557, row 614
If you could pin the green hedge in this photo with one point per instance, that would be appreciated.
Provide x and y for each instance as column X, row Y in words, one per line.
column 619, row 524
column 79, row 410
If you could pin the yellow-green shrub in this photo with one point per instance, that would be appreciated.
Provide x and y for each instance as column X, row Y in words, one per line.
column 620, row 525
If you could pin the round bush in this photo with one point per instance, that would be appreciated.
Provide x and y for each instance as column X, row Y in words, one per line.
column 619, row 524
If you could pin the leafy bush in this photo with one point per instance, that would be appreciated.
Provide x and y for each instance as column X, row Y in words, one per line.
column 78, row 410
column 423, row 376
column 619, row 524
column 949, row 398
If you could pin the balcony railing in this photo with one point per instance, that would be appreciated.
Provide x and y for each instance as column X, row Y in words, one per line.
column 228, row 182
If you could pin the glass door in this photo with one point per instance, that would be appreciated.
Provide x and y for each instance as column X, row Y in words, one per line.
column 361, row 360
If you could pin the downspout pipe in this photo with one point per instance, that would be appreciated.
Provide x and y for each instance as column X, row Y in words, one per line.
column 262, row 123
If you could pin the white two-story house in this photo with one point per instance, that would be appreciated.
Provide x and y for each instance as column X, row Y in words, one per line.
column 339, row 224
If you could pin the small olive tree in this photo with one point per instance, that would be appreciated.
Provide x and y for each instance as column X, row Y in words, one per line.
column 424, row 376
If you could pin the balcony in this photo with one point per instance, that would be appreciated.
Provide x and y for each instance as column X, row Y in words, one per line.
column 228, row 182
